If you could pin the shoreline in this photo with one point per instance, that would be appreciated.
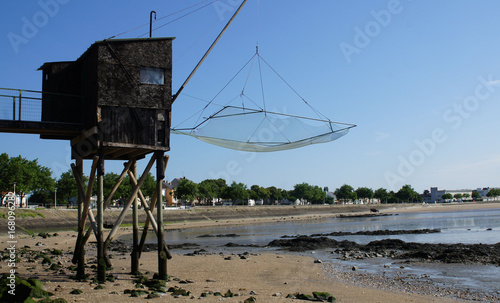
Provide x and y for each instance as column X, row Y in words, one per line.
column 267, row 276
column 197, row 217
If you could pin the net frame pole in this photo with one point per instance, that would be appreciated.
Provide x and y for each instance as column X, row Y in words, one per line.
column 174, row 97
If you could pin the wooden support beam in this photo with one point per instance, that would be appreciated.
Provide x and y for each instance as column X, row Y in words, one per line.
column 135, row 223
column 81, row 239
column 152, row 205
column 109, row 198
column 80, row 257
column 86, row 206
column 93, row 227
column 120, row 218
column 149, row 214
column 117, row 184
column 162, row 256
column 101, row 263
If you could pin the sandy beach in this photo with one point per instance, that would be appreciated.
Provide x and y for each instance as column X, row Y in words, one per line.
column 267, row 277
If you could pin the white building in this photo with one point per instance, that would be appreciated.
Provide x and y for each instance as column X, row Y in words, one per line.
column 436, row 194
column 17, row 200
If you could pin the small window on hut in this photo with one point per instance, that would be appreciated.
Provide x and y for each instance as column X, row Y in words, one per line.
column 151, row 75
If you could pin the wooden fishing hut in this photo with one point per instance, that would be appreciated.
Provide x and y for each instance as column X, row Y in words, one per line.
column 125, row 112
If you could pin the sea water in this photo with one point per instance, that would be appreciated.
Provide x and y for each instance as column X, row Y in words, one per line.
column 462, row 226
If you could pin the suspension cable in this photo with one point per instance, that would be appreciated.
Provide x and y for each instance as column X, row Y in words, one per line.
column 169, row 15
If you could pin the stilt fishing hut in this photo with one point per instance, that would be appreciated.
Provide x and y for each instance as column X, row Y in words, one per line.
column 125, row 110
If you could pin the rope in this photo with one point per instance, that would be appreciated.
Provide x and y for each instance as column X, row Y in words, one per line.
column 312, row 108
column 187, row 14
column 145, row 24
column 261, row 81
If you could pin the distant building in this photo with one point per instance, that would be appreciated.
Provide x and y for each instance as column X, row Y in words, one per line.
column 436, row 194
column 10, row 198
column 168, row 192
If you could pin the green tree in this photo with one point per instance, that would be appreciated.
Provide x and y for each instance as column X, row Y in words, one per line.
column 458, row 196
column 381, row 194
column 237, row 191
column 253, row 192
column 207, row 189
column 494, row 192
column 310, row 193
column 187, row 190
column 149, row 185
column 364, row 193
column 345, row 193
column 275, row 194
column 67, row 188
column 408, row 194
column 29, row 176
column 447, row 196
column 466, row 196
column 476, row 195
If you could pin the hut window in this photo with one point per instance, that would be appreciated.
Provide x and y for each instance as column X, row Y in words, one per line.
column 151, row 75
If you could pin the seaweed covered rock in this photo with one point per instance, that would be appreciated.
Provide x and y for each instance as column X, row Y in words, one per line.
column 16, row 289
column 316, row 296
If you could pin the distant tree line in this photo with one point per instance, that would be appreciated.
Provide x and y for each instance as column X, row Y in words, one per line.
column 36, row 180
column 32, row 178
column 206, row 191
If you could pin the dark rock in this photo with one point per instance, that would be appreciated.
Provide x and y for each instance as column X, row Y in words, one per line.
column 76, row 291
column 24, row 289
column 153, row 295
column 176, row 291
column 323, row 296
column 250, row 300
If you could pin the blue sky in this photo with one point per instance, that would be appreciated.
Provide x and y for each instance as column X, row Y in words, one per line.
column 420, row 79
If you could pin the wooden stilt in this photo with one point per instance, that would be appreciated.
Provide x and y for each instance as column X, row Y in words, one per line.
column 81, row 241
column 162, row 256
column 149, row 214
column 101, row 263
column 80, row 258
column 79, row 247
column 152, row 206
column 135, row 228
column 120, row 218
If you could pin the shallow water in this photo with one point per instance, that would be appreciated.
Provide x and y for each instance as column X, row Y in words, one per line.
column 466, row 226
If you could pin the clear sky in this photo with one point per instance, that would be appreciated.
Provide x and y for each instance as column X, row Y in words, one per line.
column 420, row 79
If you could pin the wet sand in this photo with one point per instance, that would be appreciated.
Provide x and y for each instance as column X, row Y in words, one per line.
column 268, row 277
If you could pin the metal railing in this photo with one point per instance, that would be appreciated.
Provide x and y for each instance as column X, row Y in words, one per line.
column 30, row 105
